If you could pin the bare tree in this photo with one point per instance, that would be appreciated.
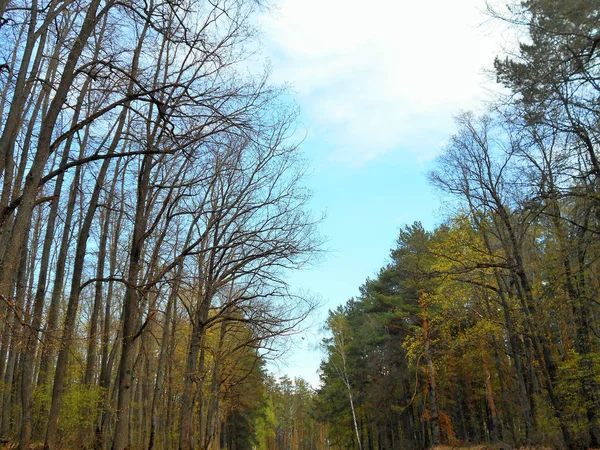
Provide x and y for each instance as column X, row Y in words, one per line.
column 141, row 173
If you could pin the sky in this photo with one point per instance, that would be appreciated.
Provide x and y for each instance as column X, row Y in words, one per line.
column 378, row 84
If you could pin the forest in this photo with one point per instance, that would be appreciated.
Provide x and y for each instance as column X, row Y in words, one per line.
column 485, row 329
column 153, row 200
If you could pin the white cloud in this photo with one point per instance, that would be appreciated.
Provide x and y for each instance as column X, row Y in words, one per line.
column 375, row 76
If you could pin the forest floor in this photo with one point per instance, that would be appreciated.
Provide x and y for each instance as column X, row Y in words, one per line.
column 464, row 446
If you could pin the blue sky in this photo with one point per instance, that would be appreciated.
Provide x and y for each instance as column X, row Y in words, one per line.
column 378, row 85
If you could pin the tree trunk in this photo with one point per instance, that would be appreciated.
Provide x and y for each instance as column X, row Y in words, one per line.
column 72, row 307
column 131, row 310
column 433, row 409
column 186, row 417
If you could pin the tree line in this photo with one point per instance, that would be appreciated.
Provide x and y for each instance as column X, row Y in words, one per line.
column 151, row 203
column 485, row 329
